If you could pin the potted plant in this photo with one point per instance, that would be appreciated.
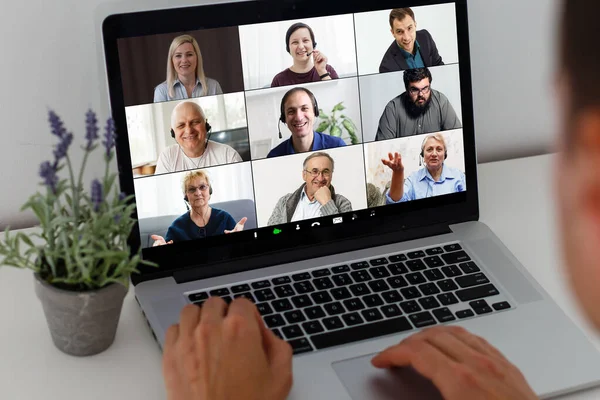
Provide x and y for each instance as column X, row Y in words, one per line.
column 79, row 256
column 336, row 125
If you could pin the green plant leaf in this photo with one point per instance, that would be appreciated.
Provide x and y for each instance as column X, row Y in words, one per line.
column 339, row 106
column 323, row 126
column 336, row 131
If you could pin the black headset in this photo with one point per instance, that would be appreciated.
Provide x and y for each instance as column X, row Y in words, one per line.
column 422, row 149
column 310, row 94
column 206, row 125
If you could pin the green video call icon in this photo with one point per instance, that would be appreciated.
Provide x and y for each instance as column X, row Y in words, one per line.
column 276, row 231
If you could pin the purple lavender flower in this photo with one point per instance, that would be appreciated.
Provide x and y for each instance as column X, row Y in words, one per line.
column 91, row 128
column 56, row 124
column 62, row 147
column 109, row 137
column 97, row 195
column 48, row 173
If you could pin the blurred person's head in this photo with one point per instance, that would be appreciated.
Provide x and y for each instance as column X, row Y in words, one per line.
column 404, row 28
column 578, row 166
column 196, row 188
column 298, row 109
column 433, row 151
column 317, row 171
column 300, row 42
column 184, row 61
column 417, row 82
column 188, row 123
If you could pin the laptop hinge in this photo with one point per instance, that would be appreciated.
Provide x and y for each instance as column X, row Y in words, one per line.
column 381, row 237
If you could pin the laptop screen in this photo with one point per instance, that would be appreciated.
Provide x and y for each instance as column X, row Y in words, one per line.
column 245, row 133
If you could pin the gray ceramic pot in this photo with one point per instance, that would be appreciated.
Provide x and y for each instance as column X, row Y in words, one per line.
column 81, row 323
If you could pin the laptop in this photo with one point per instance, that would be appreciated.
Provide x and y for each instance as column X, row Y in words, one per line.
column 343, row 251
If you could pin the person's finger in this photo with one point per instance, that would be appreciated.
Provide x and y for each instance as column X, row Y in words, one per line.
column 171, row 336
column 170, row 241
column 188, row 320
column 242, row 221
column 157, row 237
column 169, row 362
column 476, row 342
column 213, row 310
column 226, row 231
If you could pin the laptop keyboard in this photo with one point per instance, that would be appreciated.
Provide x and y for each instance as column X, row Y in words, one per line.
column 325, row 307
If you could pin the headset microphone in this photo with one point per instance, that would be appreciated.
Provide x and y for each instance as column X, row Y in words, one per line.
column 279, row 129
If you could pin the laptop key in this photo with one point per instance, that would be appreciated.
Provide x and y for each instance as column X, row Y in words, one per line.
column 378, row 261
column 260, row 284
column 397, row 269
column 264, row 295
column 452, row 247
column 361, row 276
column 415, row 278
column 416, row 265
column 379, row 272
column 410, row 306
column 503, row 305
column 342, row 280
column 282, row 305
column 300, row 345
column 277, row 333
column 429, row 302
column 433, row 261
column 220, row 292
column 451, row 271
column 246, row 295
column 352, row 319
column 472, row 280
column 360, row 289
column 429, row 288
column 444, row 314
column 274, row 320
column 292, row 331
column 433, row 251
column 359, row 265
column 447, row 285
column 480, row 307
column 353, row 304
column 372, row 300
column 433, row 275
column 240, row 288
column 264, row 308
column 465, row 313
column 334, row 308
column 469, row 267
column 397, row 282
column 301, row 276
column 322, row 297
column 371, row 315
column 391, row 296
column 362, row 332
column 284, row 291
column 281, row 280
column 294, row 316
column 391, row 310
column 397, row 258
column 416, row 254
column 340, row 269
column 302, row 301
column 422, row 319
column 447, row 298
column 321, row 273
column 198, row 296
column 312, row 327
column 456, row 257
column 333, row 323
column 323, row 283
column 410, row 292
column 314, row 312
column 477, row 292
column 378, row 285
column 340, row 293
column 302, row 287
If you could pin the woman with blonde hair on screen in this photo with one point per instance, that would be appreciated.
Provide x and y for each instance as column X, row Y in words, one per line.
column 185, row 73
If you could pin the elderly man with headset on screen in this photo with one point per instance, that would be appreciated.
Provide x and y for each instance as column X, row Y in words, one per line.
column 193, row 149
column 434, row 179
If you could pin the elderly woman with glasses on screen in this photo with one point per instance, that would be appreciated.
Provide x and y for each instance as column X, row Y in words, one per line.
column 315, row 198
column 201, row 220
column 185, row 73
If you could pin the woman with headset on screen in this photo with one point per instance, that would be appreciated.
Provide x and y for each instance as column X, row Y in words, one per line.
column 433, row 180
column 185, row 73
column 309, row 65
column 201, row 220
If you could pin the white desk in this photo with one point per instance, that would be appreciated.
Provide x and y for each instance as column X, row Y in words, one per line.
column 512, row 194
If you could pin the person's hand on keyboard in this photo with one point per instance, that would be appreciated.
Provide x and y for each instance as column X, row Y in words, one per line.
column 461, row 365
column 220, row 352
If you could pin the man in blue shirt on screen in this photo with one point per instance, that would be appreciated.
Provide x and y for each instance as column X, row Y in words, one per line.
column 299, row 109
column 433, row 180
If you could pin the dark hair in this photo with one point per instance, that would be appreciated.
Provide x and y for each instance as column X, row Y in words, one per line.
column 294, row 28
column 416, row 75
column 579, row 62
column 290, row 92
column 400, row 14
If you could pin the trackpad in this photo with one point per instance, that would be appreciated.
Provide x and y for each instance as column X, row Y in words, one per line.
column 365, row 382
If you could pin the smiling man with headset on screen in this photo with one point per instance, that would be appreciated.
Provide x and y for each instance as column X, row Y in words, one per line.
column 193, row 149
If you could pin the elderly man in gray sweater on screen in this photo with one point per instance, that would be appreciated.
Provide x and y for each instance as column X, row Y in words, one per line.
column 315, row 198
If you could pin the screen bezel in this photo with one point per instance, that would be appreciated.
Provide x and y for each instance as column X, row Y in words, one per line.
column 366, row 229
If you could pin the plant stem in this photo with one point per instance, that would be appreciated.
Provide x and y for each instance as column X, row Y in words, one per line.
column 76, row 190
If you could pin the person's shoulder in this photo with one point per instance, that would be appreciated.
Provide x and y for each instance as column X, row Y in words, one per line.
column 424, row 34
column 280, row 77
column 220, row 213
column 183, row 218
column 279, row 150
column 453, row 172
column 219, row 147
column 439, row 95
column 161, row 87
column 332, row 141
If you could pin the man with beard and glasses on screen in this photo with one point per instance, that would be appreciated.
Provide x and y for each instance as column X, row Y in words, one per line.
column 420, row 109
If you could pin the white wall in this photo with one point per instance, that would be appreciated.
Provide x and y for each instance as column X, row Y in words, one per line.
column 52, row 58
